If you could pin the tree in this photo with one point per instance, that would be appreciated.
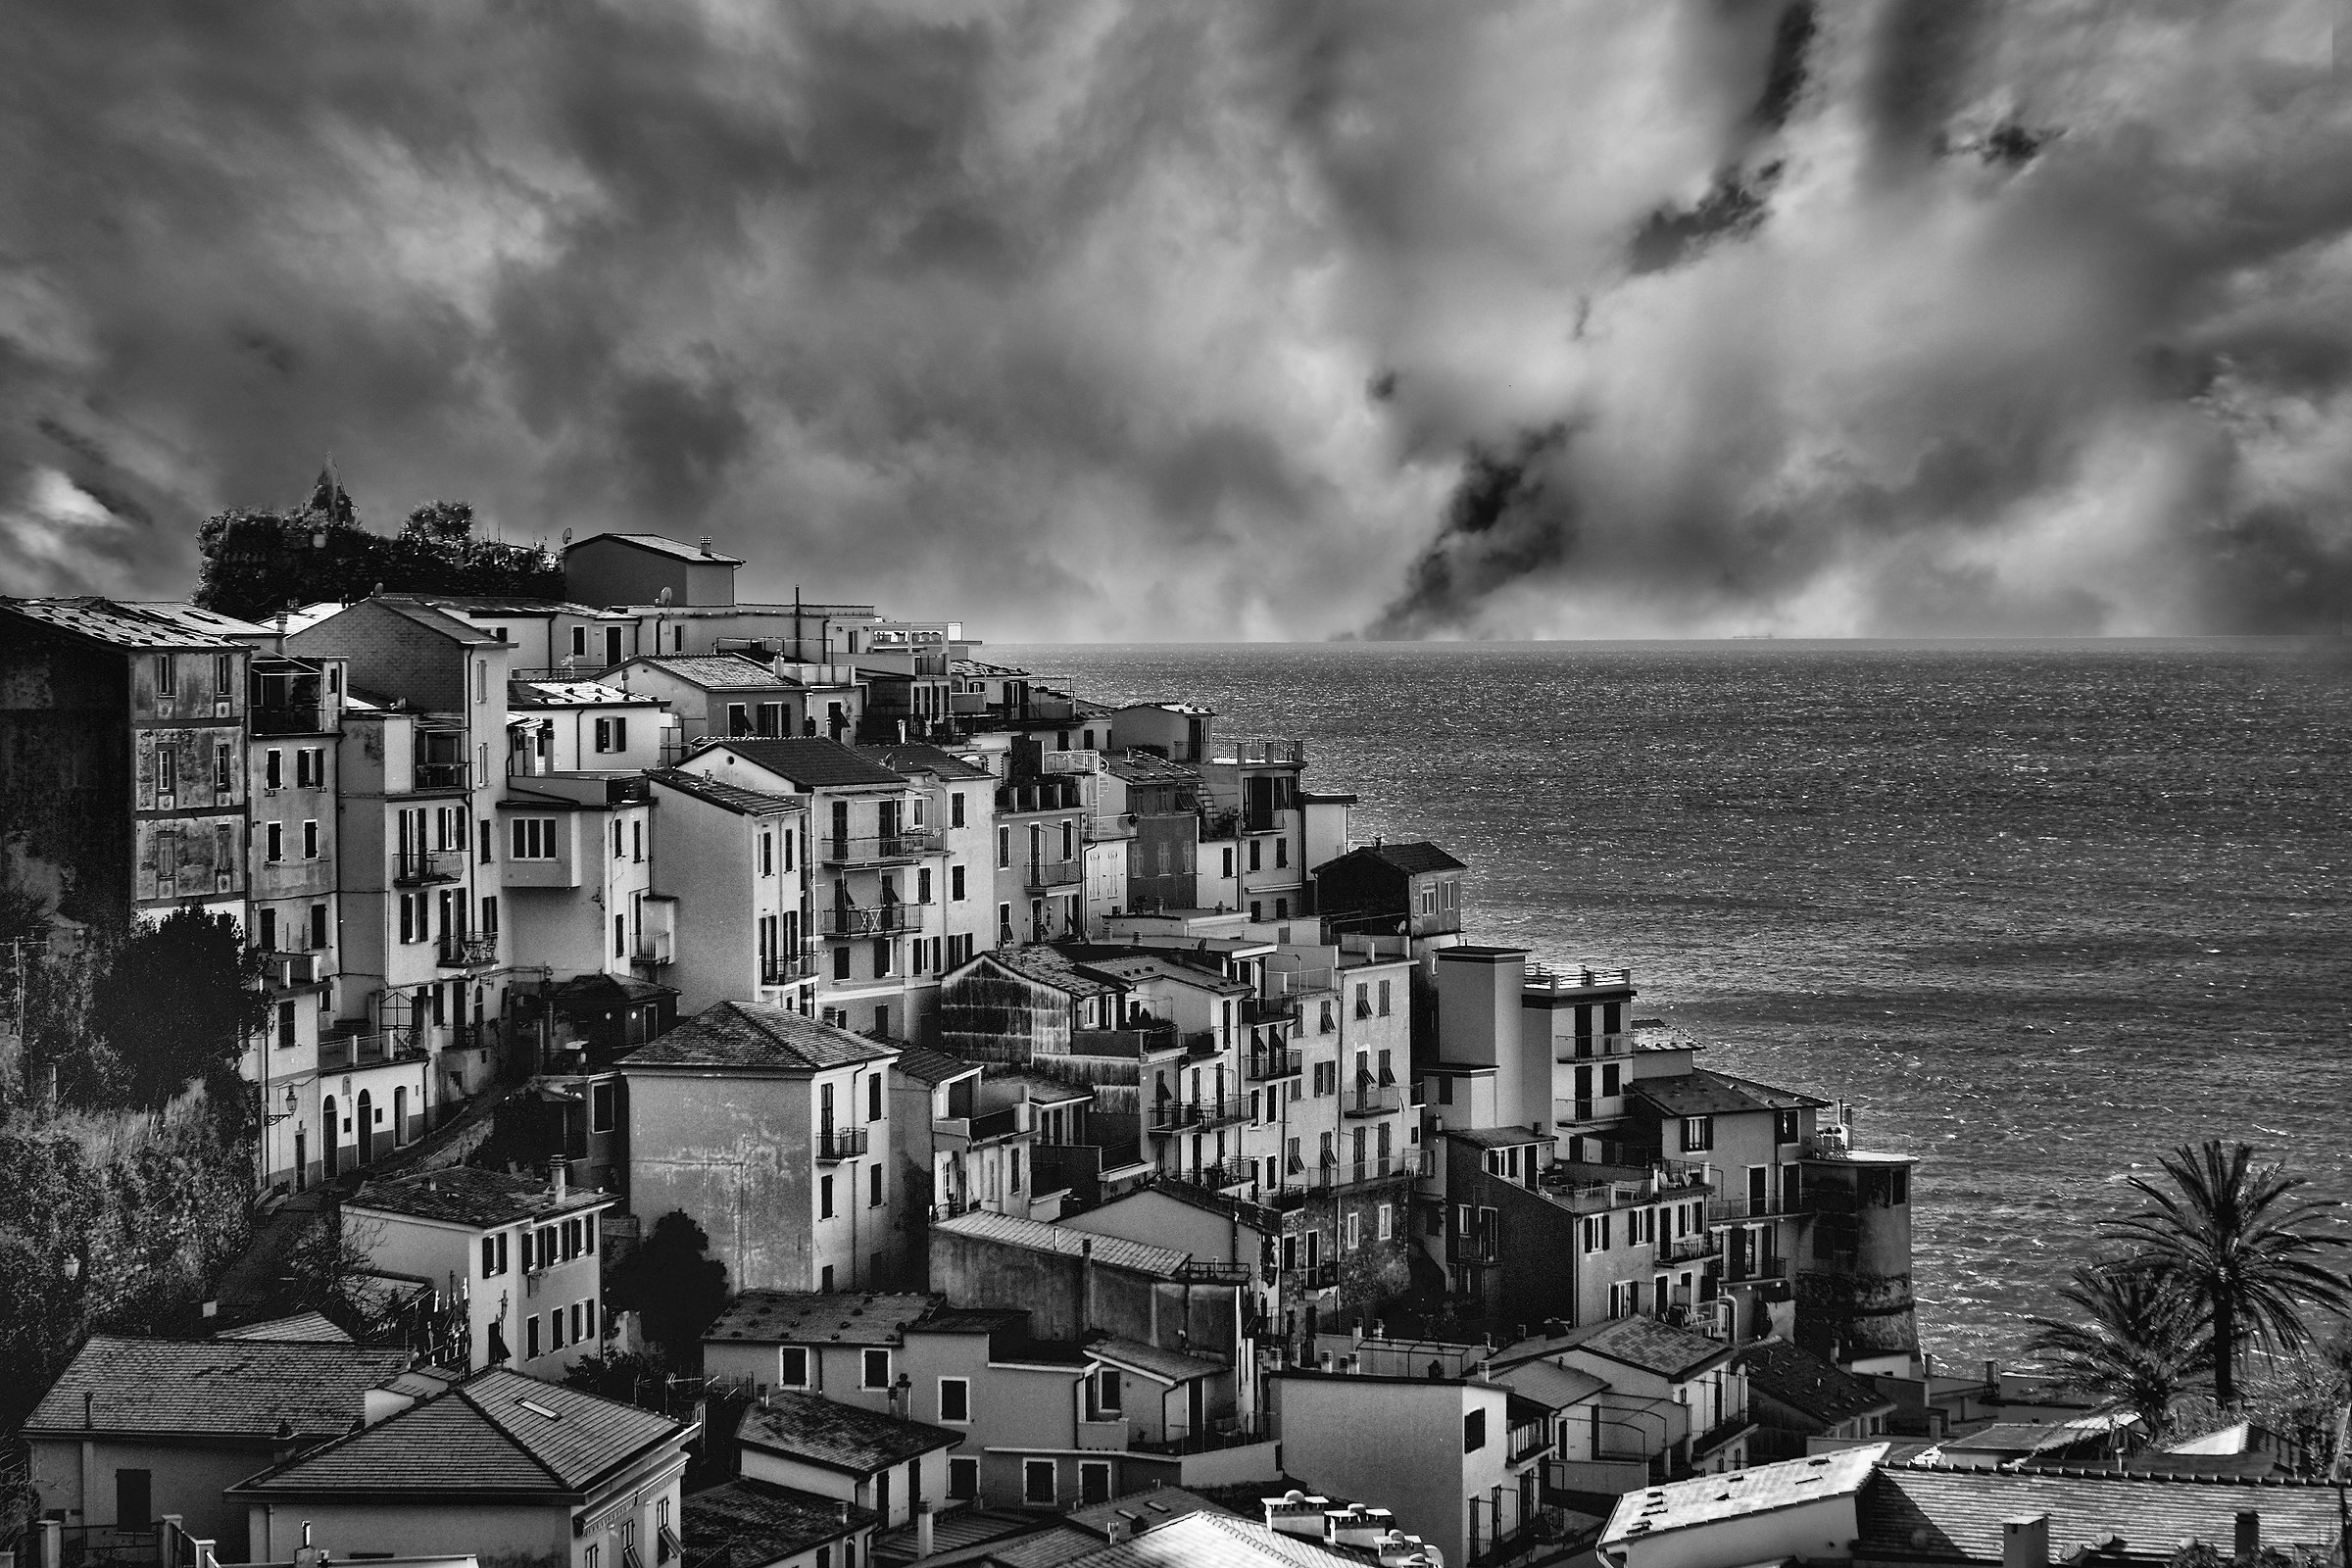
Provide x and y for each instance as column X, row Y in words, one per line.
column 674, row 1285
column 2133, row 1341
column 177, row 1001
column 2238, row 1241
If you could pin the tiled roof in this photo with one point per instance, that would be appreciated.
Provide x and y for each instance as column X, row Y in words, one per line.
column 1953, row 1514
column 1797, row 1378
column 970, row 1320
column 1550, row 1385
column 586, row 991
column 497, row 1432
column 1258, row 1217
column 1146, row 965
column 1410, row 859
column 1497, row 1137
column 840, row 1436
column 529, row 694
column 463, row 1194
column 303, row 1328
column 118, row 625
column 1219, row 1541
column 713, row 670
column 818, row 1317
column 1048, row 967
column 1697, row 1093
column 754, row 1036
column 659, row 545
column 758, row 1522
column 1151, row 1360
column 1760, row 1488
column 905, row 760
column 208, row 621
column 1655, row 1346
column 1042, row 1089
column 1050, row 1548
column 418, row 613
column 933, row 1067
column 243, row 1388
column 1143, row 1510
column 810, row 761
column 728, row 796
column 1114, row 1251
column 1143, row 768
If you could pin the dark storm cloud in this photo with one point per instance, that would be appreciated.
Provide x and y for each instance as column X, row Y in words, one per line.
column 1101, row 319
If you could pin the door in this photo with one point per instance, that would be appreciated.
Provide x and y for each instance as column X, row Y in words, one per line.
column 882, row 1495
column 611, row 645
column 326, row 1150
column 1759, row 1190
column 400, row 1116
column 134, row 1499
column 302, row 1160
column 365, row 1145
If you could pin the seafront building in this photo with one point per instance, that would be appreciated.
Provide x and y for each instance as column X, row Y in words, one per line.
column 1077, row 1107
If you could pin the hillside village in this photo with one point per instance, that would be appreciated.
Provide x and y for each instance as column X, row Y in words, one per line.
column 1112, row 1158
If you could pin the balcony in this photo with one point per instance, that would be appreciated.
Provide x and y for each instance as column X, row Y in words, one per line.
column 784, row 968
column 1195, row 1115
column 1314, row 1181
column 1264, row 1066
column 1543, row 977
column 1772, row 1206
column 413, row 868
column 649, row 949
column 1262, row 753
column 1106, row 1435
column 1125, row 1043
column 1481, row 1250
column 441, row 776
column 1303, row 982
column 1721, row 1433
column 886, row 849
column 1530, row 1441
column 1688, row 1248
column 1218, row 1175
column 977, row 1131
column 1239, row 1433
column 467, row 950
column 1322, row 1276
column 293, row 972
column 1373, row 1099
column 292, row 719
column 882, row 921
column 1595, row 1047
column 835, row 1144
column 1269, row 1009
column 1042, row 876
column 1597, row 1108
column 342, row 1053
column 1108, row 829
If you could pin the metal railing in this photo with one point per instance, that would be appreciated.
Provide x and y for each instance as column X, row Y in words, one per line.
column 904, row 844
column 1543, row 977
column 1722, row 1210
column 883, row 919
column 1688, row 1248
column 1373, row 1099
column 840, row 1143
column 412, row 866
column 781, row 969
column 1303, row 982
column 467, row 950
column 1267, row 1065
column 1218, row 1175
column 1259, row 753
column 1178, row 1115
column 442, row 775
column 340, row 1053
column 1593, row 1048
column 1595, row 1108
column 1478, row 1249
column 1269, row 1009
column 1043, row 874
column 1240, row 1434
column 291, row 719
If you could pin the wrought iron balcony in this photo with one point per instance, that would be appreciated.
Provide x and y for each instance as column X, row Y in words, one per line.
column 467, row 950
column 411, row 867
column 1267, row 1065
column 908, row 844
column 442, row 775
column 835, row 1144
column 1373, row 1099
column 290, row 719
column 881, row 920
column 1043, row 875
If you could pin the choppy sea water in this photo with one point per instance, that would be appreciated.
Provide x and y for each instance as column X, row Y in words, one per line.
column 2038, row 911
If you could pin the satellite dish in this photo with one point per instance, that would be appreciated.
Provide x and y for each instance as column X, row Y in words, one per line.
column 567, row 536
column 663, row 601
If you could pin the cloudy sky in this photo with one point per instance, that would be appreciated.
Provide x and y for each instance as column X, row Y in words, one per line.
column 1200, row 320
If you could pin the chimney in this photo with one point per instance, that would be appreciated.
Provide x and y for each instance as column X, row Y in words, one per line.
column 1295, row 1513
column 924, row 1543
column 308, row 1555
column 1115, row 1531
column 1322, row 1363
column 556, row 1169
column 706, row 547
column 2249, row 1535
column 2026, row 1541
column 1359, row 1526
column 841, row 1508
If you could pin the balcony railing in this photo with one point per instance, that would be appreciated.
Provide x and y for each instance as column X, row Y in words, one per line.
column 1239, row 1433
column 1543, row 977
column 1267, row 1065
column 1303, row 982
column 1730, row 1210
column 840, row 1143
column 1529, row 1441
column 1218, row 1175
column 1477, row 1250
column 1123, row 1042
column 1297, row 1186
column 650, row 947
column 1269, row 1009
column 881, row 920
column 783, row 968
column 442, row 775
column 413, row 866
column 904, row 844
column 1182, row 1115
column 1322, row 1276
column 1687, row 1248
column 467, row 950
column 1041, row 875
column 1721, row 1433
column 290, row 971
column 1595, row 1108
column 1373, row 1099
column 1593, row 1048
column 1266, row 752
column 293, row 718
column 340, row 1053
column 1106, row 1435
column 1104, row 829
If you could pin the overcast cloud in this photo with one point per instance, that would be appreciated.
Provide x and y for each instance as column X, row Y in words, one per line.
column 1118, row 320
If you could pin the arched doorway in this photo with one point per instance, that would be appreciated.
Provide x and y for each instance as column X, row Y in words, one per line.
column 364, row 1144
column 400, row 1115
column 327, row 1145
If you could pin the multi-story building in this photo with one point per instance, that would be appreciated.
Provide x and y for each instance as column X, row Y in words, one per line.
column 875, row 873
column 578, row 874
column 955, row 800
column 576, row 727
column 731, row 920
column 966, row 1143
column 773, row 1131
column 1256, row 783
column 122, row 757
column 519, row 1253
column 715, row 695
column 1041, row 824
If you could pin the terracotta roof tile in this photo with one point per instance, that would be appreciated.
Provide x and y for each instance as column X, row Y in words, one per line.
column 1956, row 1514
column 756, row 1036
column 463, row 1194
column 848, row 1438
column 243, row 1388
column 818, row 1317
column 760, row 1522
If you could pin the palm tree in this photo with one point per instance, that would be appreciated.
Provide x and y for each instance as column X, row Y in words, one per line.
column 2237, row 1241
column 2134, row 1342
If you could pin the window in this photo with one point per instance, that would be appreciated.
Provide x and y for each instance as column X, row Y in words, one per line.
column 1003, row 847
column 1353, row 1233
column 602, row 1106
column 534, row 838
column 768, row 855
column 273, row 769
column 167, row 774
column 317, row 926
column 1281, row 852
column 1253, row 854
column 1037, row 1483
column 1387, row 1221
column 739, row 718
column 1699, row 1131
column 1108, row 1391
column 309, row 841
column 637, row 841
column 824, row 1197
column 955, row 881
column 824, row 1279
column 792, row 1366
column 1363, row 1000
column 273, row 842
column 530, row 1337
column 955, row 809
column 579, row 642
column 963, row 1480
column 612, row 734
column 166, row 676
column 873, row 1185
column 955, row 1399
column 1093, row 1482
column 874, row 1369
column 1783, row 1126
column 554, row 1329
column 1473, row 1431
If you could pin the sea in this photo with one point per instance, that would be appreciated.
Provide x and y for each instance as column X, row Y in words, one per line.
column 2038, row 911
